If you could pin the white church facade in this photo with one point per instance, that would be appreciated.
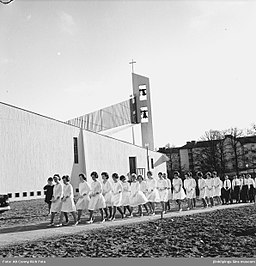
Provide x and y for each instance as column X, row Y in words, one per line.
column 34, row 147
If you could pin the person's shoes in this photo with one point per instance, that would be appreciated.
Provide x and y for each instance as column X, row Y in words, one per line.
column 58, row 225
column 66, row 223
column 76, row 223
column 130, row 216
column 188, row 209
column 180, row 210
column 50, row 225
column 113, row 219
column 152, row 214
column 103, row 221
column 90, row 221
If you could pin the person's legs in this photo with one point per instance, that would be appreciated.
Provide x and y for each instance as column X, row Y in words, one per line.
column 120, row 211
column 52, row 217
column 61, row 218
column 110, row 212
column 114, row 213
column 90, row 216
column 102, row 215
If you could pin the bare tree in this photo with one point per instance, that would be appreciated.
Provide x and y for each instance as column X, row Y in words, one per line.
column 236, row 146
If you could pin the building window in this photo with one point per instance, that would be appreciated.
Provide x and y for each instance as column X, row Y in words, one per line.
column 75, row 150
column 24, row 194
column 38, row 193
column 10, row 195
column 77, row 189
column 32, row 193
column 17, row 195
column 132, row 165
column 152, row 163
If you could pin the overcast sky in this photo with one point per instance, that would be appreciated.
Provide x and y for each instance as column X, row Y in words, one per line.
column 64, row 59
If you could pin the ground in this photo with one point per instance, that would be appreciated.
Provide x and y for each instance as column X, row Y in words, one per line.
column 220, row 233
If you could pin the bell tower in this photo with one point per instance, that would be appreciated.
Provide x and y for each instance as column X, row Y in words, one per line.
column 141, row 92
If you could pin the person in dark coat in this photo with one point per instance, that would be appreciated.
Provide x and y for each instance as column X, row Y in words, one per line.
column 48, row 191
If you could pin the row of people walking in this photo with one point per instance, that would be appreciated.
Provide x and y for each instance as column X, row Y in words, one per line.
column 123, row 195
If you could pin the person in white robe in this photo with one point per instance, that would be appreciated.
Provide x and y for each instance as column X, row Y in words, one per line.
column 137, row 196
column 162, row 190
column 209, row 189
column 117, row 191
column 83, row 196
column 143, row 188
column 68, row 203
column 169, row 192
column 107, row 194
column 178, row 191
column 126, row 196
column 251, row 185
column 97, row 201
column 202, row 188
column 56, row 199
column 152, row 192
column 217, row 185
column 188, row 186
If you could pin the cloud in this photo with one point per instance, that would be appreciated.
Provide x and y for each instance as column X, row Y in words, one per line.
column 67, row 23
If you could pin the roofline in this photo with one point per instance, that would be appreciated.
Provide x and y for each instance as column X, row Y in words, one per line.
column 50, row 118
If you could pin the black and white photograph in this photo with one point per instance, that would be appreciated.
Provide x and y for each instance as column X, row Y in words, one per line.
column 127, row 132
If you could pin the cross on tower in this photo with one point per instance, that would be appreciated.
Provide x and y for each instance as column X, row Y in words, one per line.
column 131, row 63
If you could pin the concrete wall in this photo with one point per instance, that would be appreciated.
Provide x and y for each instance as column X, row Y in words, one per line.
column 34, row 147
column 107, row 154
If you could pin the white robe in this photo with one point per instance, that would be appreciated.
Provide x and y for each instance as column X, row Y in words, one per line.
column 209, row 192
column 83, row 201
column 162, row 189
column 126, row 194
column 137, row 196
column 217, row 186
column 107, row 193
column 68, row 205
column 201, row 187
column 57, row 192
column 97, row 201
column 152, row 192
column 117, row 190
column 178, row 191
column 189, row 188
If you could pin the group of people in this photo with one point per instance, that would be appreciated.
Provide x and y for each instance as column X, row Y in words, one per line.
column 123, row 194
